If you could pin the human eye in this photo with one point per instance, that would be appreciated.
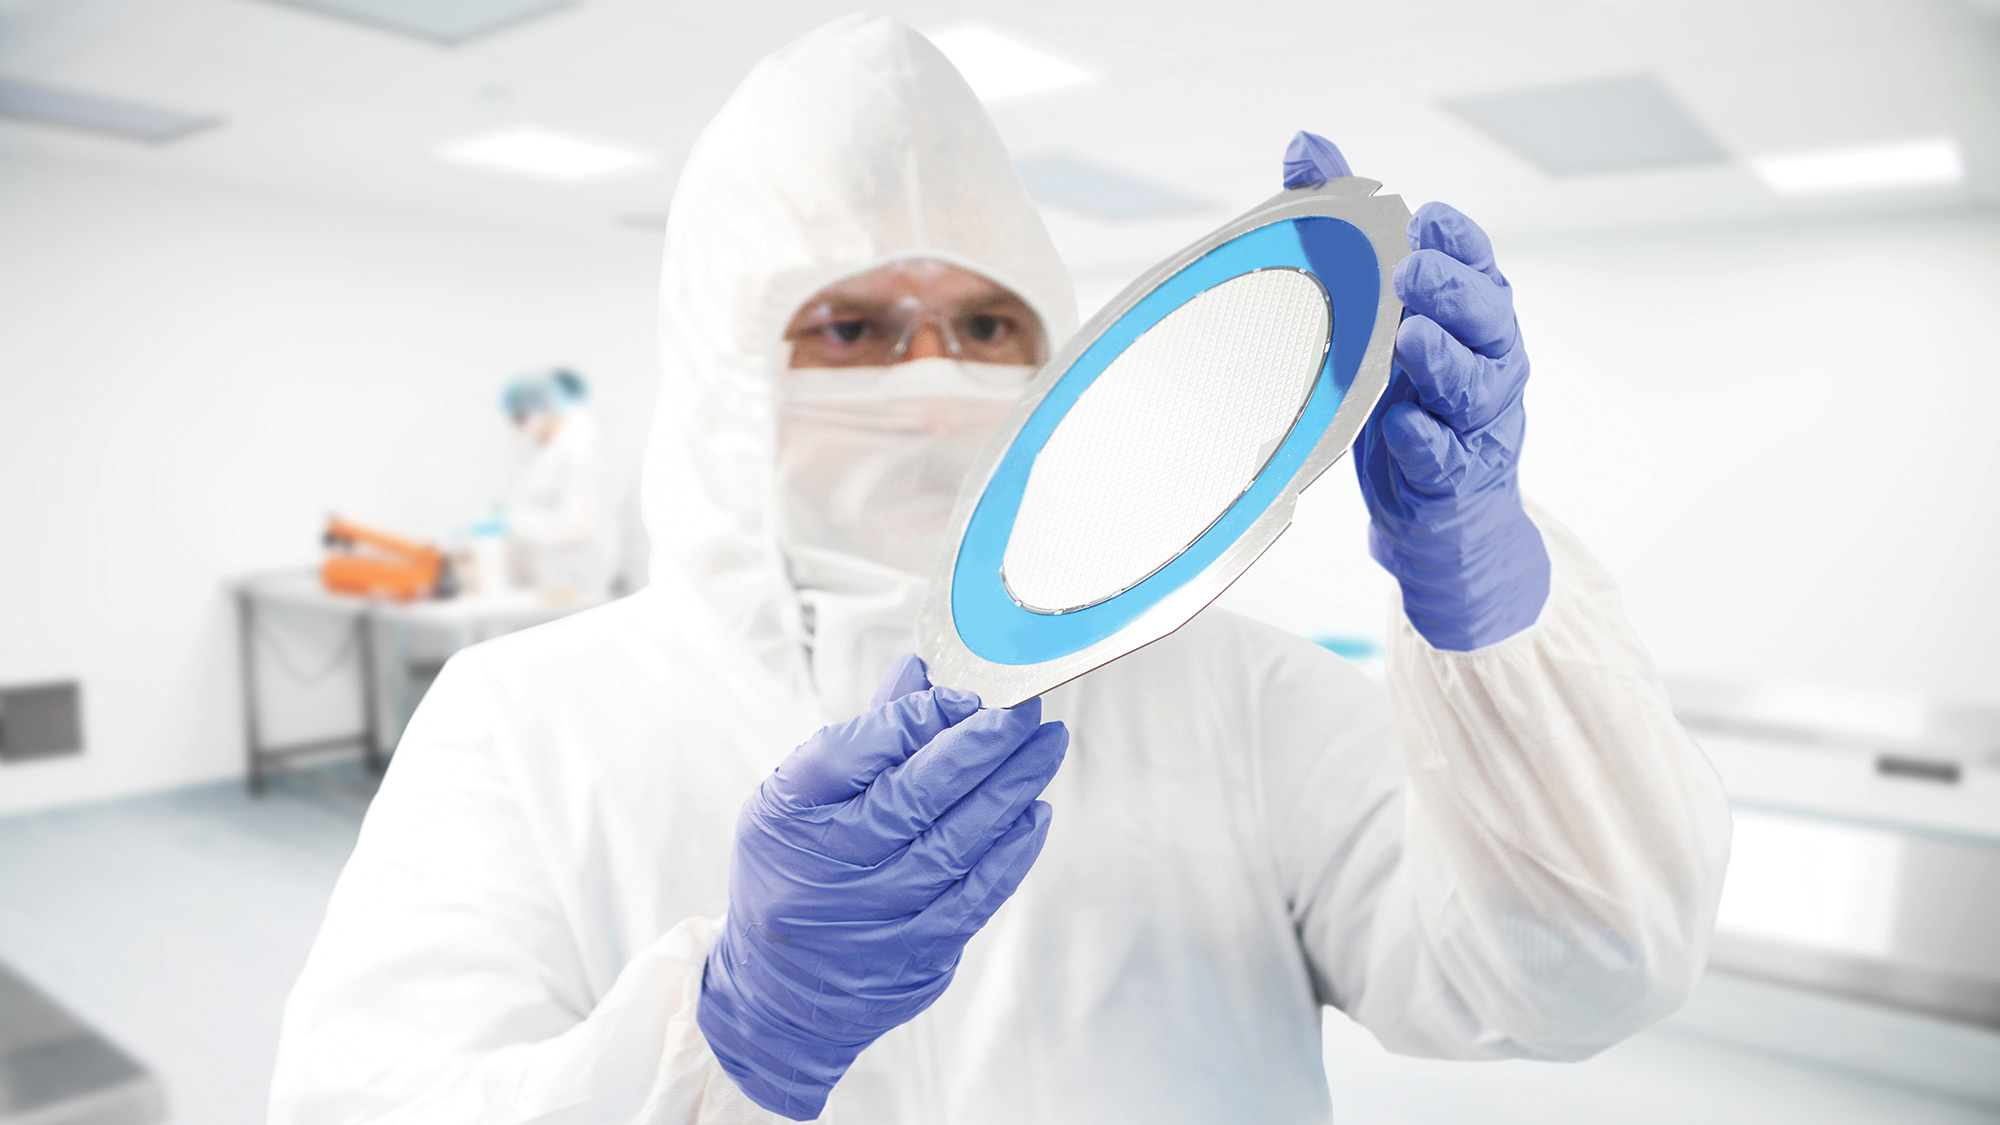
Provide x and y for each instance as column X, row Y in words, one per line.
column 986, row 327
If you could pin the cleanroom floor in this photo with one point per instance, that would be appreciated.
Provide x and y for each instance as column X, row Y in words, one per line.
column 176, row 922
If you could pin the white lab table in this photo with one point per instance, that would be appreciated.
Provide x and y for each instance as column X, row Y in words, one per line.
column 1866, row 859
column 381, row 628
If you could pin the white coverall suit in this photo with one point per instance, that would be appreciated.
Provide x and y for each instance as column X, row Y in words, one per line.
column 1516, row 853
column 559, row 516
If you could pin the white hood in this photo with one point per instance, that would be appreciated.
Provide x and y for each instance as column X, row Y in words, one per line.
column 857, row 145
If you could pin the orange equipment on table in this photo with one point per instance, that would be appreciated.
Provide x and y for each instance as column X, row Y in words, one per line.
column 392, row 568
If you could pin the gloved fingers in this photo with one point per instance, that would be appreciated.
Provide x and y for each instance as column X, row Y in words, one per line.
column 906, row 799
column 1440, row 226
column 906, row 675
column 1462, row 300
column 1448, row 378
column 842, row 760
column 1430, row 456
column 1466, row 391
column 1311, row 160
column 938, row 934
column 969, row 828
column 809, row 987
column 817, row 870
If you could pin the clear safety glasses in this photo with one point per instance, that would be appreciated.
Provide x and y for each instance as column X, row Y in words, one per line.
column 913, row 311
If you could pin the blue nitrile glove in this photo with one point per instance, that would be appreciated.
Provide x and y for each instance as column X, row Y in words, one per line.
column 863, row 865
column 1438, row 458
column 1311, row 160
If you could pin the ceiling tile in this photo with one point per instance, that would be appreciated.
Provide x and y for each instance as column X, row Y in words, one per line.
column 1603, row 125
column 1062, row 180
column 94, row 113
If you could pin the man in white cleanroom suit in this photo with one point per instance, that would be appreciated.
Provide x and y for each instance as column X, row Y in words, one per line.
column 1515, row 853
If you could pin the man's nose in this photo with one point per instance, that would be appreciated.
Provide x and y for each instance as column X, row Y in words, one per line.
column 928, row 343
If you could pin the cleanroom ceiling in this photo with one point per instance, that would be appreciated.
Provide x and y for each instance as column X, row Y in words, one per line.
column 1157, row 120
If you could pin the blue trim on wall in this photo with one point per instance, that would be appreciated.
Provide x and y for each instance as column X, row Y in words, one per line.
column 999, row 629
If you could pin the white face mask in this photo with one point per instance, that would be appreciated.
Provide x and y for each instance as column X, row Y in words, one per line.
column 870, row 460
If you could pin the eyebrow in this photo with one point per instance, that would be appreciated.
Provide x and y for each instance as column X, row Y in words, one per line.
column 844, row 305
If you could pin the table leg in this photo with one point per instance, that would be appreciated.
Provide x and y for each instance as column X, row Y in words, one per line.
column 371, row 695
column 253, row 736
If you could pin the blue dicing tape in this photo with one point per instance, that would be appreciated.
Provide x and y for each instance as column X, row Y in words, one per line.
column 989, row 622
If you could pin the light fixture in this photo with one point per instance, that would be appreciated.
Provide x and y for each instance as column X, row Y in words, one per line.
column 447, row 22
column 93, row 113
column 1603, row 125
column 1913, row 163
column 530, row 150
column 999, row 66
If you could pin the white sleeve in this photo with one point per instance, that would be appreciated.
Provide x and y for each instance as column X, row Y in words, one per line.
column 1535, row 873
column 446, row 984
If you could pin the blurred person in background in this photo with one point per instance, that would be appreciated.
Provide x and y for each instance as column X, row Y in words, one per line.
column 562, row 908
column 559, row 516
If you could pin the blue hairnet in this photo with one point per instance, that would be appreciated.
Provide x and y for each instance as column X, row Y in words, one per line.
column 543, row 392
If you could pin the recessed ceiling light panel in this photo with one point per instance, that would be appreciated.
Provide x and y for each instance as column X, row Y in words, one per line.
column 440, row 21
column 547, row 154
column 999, row 66
column 1607, row 125
column 1915, row 163
column 1102, row 193
column 72, row 109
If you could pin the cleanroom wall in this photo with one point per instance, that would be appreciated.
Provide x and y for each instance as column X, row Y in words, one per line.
column 1777, row 438
column 1774, row 434
column 197, row 375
